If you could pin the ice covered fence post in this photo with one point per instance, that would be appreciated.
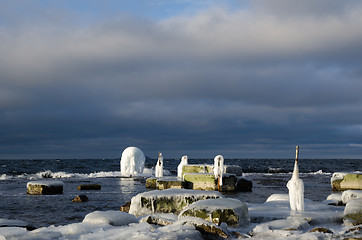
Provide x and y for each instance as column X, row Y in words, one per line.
column 296, row 187
column 159, row 166
column 132, row 161
column 184, row 162
column 219, row 169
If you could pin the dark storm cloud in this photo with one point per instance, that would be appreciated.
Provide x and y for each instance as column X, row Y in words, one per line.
column 248, row 83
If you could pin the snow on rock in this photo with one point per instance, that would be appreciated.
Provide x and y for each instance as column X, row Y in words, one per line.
column 160, row 219
column 334, row 199
column 168, row 201
column 12, row 223
column 228, row 210
column 44, row 187
column 184, row 162
column 289, row 224
column 115, row 218
column 350, row 195
column 132, row 161
column 353, row 212
column 205, row 227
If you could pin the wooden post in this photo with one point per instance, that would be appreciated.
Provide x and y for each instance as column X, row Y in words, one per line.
column 296, row 153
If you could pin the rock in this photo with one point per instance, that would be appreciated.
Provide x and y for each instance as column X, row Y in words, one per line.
column 228, row 183
column 125, row 207
column 80, row 198
column 207, row 229
column 151, row 182
column 346, row 181
column 199, row 181
column 233, row 169
column 113, row 218
column 353, row 212
column 321, row 229
column 15, row 223
column 170, row 183
column 228, row 210
column 44, row 187
column 94, row 186
column 167, row 201
column 244, row 185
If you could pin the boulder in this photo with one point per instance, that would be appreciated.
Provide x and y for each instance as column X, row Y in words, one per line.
column 194, row 168
column 170, row 183
column 200, row 181
column 346, row 181
column 167, row 201
column 228, row 210
column 233, row 169
column 228, row 183
column 44, row 187
column 244, row 185
column 151, row 182
column 94, row 186
column 80, row 198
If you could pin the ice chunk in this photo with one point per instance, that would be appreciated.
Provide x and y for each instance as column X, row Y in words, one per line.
column 132, row 161
column 114, row 218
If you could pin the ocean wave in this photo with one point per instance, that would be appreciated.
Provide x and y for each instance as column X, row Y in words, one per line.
column 48, row 174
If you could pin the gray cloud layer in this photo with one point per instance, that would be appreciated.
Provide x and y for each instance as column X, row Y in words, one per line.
column 253, row 82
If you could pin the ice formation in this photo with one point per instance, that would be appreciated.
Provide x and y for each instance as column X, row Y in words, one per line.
column 219, row 168
column 296, row 188
column 159, row 166
column 132, row 161
column 184, row 161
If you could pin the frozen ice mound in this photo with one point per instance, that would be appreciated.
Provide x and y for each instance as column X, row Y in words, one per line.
column 114, row 218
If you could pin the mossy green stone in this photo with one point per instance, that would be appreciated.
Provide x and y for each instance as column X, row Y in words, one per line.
column 351, row 181
column 151, row 182
column 200, row 181
column 162, row 184
column 194, row 169
column 218, row 216
column 336, row 185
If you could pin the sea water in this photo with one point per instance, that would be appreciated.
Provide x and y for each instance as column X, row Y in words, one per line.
column 269, row 176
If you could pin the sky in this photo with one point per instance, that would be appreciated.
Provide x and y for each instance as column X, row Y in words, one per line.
column 244, row 79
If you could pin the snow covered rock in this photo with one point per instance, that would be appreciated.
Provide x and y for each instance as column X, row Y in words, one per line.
column 233, row 169
column 168, row 201
column 132, row 161
column 114, row 218
column 334, row 199
column 208, row 230
column 228, row 210
column 44, row 187
column 160, row 219
column 184, row 162
column 350, row 195
column 353, row 212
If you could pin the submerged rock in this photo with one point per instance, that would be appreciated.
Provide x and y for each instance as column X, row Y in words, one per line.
column 80, row 198
column 44, row 187
column 167, row 201
column 228, row 210
column 244, row 185
column 94, row 186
